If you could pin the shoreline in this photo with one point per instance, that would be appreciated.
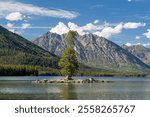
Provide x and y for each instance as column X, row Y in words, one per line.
column 89, row 80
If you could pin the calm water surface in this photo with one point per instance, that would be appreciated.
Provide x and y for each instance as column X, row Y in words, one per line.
column 122, row 88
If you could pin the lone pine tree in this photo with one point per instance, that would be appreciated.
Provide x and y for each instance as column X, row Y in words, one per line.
column 68, row 61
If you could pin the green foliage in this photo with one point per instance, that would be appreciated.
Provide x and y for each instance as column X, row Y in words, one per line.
column 26, row 70
column 17, row 70
column 10, row 56
column 47, row 71
column 70, row 37
column 87, row 71
column 68, row 61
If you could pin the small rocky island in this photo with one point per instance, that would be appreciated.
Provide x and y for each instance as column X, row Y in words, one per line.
column 89, row 80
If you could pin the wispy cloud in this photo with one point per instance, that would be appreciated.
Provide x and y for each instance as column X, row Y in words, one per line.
column 134, row 0
column 138, row 37
column 9, row 7
column 96, row 21
column 145, row 17
column 10, row 27
column 97, row 6
column 17, row 29
column 25, row 25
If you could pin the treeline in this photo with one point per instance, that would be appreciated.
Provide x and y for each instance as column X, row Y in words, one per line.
column 48, row 71
column 101, row 72
column 18, row 70
column 28, row 70
column 15, row 56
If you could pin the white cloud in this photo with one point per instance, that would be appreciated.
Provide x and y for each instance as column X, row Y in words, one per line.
column 146, row 44
column 105, row 30
column 75, row 27
column 143, row 44
column 137, row 37
column 128, row 44
column 9, row 25
column 17, row 29
column 61, row 28
column 37, row 27
column 14, row 16
column 129, row 0
column 9, row 7
column 133, row 25
column 12, row 30
column 25, row 25
column 96, row 21
column 147, row 34
column 91, row 27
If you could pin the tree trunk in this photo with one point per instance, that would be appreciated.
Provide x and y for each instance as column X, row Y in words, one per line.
column 68, row 78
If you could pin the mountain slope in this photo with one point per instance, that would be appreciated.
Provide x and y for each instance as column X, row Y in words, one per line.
column 93, row 51
column 14, row 49
column 139, row 51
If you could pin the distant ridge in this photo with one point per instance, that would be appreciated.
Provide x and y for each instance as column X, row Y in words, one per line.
column 139, row 51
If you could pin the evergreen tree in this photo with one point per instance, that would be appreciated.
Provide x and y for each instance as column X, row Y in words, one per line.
column 68, row 61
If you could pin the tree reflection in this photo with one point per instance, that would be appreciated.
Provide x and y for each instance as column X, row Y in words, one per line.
column 68, row 92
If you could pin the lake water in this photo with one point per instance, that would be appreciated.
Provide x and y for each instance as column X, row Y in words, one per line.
column 122, row 88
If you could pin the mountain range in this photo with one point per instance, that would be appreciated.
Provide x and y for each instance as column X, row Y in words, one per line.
column 93, row 51
column 139, row 51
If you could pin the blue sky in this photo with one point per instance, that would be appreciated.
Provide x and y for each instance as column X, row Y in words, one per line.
column 121, row 21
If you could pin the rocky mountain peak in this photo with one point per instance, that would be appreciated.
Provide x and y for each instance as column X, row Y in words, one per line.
column 93, row 51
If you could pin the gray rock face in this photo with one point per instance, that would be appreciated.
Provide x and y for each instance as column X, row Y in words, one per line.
column 139, row 51
column 93, row 51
